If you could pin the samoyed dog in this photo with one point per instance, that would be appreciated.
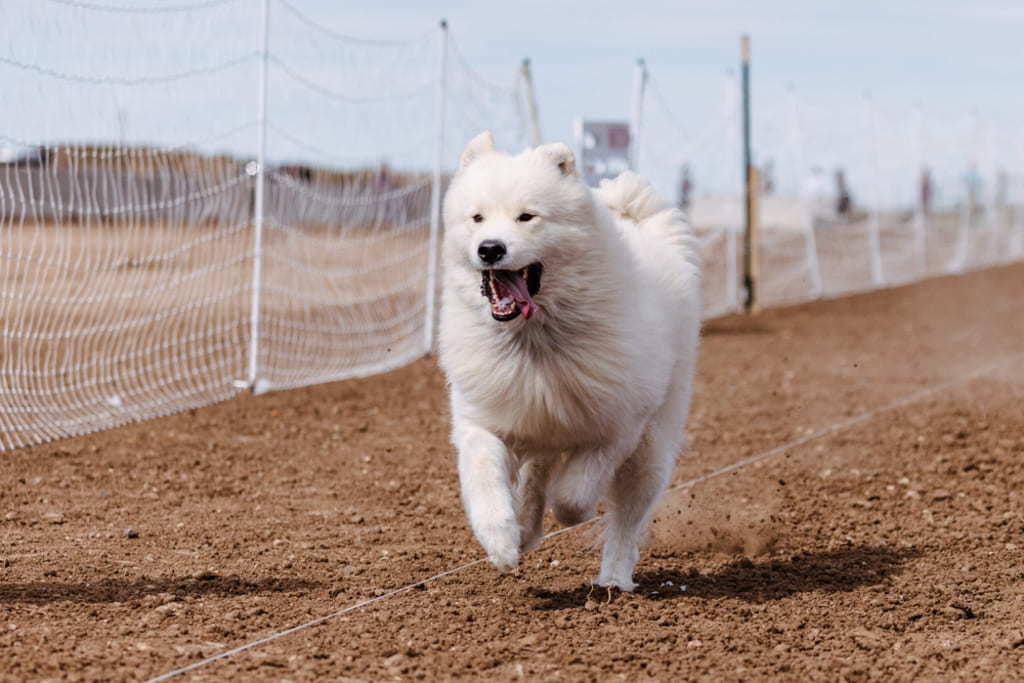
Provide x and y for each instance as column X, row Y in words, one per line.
column 569, row 327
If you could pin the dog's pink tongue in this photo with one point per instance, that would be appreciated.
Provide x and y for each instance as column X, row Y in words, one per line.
column 515, row 284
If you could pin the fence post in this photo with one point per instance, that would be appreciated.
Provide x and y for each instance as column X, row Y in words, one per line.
column 968, row 186
column 749, row 178
column 991, row 183
column 636, row 114
column 435, row 193
column 531, row 102
column 754, row 230
column 874, row 241
column 1017, row 220
column 920, row 209
column 733, row 220
column 258, row 199
column 810, row 241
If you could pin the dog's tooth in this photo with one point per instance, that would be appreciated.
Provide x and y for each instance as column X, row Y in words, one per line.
column 526, row 272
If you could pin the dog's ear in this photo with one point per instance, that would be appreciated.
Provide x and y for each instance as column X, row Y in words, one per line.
column 560, row 155
column 477, row 147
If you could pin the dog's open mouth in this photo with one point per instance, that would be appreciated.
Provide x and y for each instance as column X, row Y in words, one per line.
column 511, row 292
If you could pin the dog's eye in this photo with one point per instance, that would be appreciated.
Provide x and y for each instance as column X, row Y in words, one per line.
column 477, row 218
column 525, row 217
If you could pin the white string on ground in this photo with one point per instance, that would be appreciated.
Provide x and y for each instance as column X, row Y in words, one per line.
column 834, row 428
column 840, row 426
column 313, row 622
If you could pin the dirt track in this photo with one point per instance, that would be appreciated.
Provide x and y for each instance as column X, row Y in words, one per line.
column 882, row 538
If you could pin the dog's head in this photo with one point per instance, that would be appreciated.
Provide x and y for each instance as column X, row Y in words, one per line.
column 508, row 218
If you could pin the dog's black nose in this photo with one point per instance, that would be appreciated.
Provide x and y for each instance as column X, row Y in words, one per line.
column 491, row 251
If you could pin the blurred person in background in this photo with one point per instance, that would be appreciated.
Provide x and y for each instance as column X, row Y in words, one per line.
column 843, row 200
column 685, row 188
column 926, row 190
column 768, row 178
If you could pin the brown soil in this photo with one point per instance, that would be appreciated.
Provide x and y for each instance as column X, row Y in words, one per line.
column 875, row 531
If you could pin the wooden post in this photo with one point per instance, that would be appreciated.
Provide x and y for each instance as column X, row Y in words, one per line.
column 753, row 246
column 750, row 185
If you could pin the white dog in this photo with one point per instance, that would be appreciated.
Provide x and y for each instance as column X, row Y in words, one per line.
column 569, row 328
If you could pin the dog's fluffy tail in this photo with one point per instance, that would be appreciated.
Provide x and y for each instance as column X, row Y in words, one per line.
column 631, row 197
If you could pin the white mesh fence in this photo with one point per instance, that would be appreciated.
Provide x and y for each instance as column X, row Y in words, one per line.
column 123, row 265
column 344, row 252
column 149, row 263
column 897, row 227
column 202, row 197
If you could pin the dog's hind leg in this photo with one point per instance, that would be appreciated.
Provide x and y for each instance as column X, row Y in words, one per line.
column 531, row 500
column 578, row 484
column 585, row 476
column 484, row 464
column 638, row 484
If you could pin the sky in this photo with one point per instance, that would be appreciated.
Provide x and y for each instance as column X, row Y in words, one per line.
column 881, row 88
column 956, row 65
column 945, row 55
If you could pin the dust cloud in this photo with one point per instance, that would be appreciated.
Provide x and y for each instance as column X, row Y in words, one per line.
column 707, row 519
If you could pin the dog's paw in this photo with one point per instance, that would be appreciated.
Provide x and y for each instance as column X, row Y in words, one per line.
column 531, row 530
column 617, row 566
column 505, row 562
column 529, row 539
column 503, row 553
column 624, row 584
column 500, row 538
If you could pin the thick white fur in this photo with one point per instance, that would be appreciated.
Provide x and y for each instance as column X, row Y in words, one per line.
column 587, row 399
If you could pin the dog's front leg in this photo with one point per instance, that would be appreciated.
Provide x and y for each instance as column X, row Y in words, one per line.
column 487, row 493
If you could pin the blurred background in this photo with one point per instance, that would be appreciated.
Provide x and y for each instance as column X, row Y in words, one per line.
column 201, row 197
column 878, row 90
